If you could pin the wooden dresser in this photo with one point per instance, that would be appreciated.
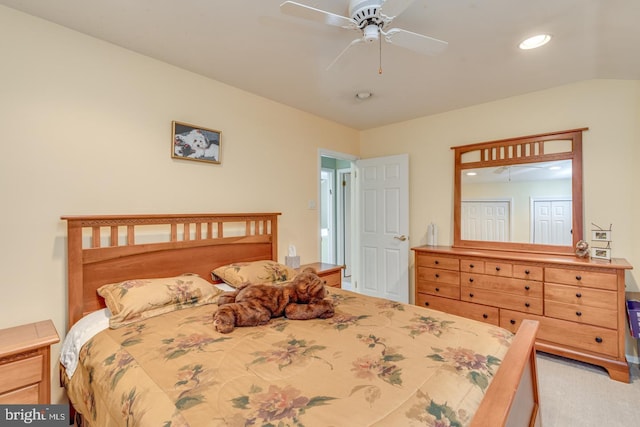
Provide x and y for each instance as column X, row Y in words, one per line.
column 580, row 303
column 25, row 363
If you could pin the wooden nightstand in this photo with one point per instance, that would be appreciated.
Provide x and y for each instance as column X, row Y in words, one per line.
column 25, row 363
column 331, row 273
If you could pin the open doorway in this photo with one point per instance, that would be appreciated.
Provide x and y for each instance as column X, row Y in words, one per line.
column 335, row 212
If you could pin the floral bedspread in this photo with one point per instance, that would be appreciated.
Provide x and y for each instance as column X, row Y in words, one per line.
column 375, row 363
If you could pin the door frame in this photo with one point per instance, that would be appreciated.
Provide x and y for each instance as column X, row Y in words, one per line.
column 350, row 158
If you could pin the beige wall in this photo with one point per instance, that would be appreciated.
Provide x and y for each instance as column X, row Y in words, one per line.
column 87, row 130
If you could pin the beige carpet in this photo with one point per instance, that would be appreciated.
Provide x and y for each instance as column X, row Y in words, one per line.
column 582, row 395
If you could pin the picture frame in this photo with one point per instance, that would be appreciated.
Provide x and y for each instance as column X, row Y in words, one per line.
column 601, row 235
column 191, row 142
column 601, row 253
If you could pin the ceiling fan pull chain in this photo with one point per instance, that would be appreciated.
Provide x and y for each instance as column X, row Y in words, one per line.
column 380, row 51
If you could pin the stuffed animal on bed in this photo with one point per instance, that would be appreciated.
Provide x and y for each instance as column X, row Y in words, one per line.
column 256, row 304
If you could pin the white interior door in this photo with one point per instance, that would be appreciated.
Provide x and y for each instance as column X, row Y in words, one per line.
column 382, row 209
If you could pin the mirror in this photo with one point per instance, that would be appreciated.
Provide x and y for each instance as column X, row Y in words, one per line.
column 520, row 194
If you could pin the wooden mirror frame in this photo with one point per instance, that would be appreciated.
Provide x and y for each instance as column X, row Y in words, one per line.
column 521, row 150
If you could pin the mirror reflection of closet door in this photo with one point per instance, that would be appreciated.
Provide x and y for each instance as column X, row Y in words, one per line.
column 552, row 221
column 487, row 220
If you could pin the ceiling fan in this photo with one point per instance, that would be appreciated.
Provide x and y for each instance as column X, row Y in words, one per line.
column 371, row 18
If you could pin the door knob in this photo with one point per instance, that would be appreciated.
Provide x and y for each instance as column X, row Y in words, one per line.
column 401, row 238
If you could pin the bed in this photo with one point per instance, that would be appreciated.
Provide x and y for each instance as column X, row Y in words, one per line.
column 376, row 362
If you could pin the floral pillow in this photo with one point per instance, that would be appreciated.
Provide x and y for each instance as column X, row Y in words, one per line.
column 264, row 271
column 134, row 300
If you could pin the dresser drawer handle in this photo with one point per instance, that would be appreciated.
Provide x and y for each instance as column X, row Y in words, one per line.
column 598, row 340
column 579, row 295
column 437, row 276
column 498, row 268
column 437, row 262
column 527, row 287
column 437, row 289
column 470, row 279
column 471, row 295
column 513, row 322
column 324, row 282
column 526, row 272
column 426, row 303
column 485, row 316
column 578, row 313
column 578, row 277
column 526, row 304
column 471, row 265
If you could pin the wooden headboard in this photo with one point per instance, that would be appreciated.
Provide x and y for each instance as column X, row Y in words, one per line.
column 105, row 249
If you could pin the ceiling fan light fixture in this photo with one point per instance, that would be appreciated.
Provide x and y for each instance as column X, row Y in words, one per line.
column 535, row 41
column 363, row 95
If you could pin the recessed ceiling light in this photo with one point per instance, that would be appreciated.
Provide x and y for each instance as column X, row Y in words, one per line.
column 535, row 41
column 363, row 95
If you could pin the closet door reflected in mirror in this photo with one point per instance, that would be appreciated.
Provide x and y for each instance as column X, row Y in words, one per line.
column 520, row 194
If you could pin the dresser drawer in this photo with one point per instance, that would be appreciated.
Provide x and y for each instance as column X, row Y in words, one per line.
column 579, row 295
column 20, row 373
column 498, row 268
column 437, row 275
column 502, row 284
column 25, row 396
column 582, row 314
column 591, row 279
column 441, row 289
column 565, row 333
column 528, row 272
column 438, row 262
column 469, row 310
column 501, row 299
column 471, row 266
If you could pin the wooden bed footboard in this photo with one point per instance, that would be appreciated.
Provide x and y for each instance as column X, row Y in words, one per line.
column 512, row 398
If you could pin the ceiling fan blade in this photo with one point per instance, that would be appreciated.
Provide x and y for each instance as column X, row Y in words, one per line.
column 353, row 43
column 392, row 8
column 415, row 42
column 311, row 13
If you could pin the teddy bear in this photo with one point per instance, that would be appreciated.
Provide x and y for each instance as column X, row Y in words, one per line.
column 256, row 304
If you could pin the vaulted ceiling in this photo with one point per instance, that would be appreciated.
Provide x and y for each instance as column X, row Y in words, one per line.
column 252, row 45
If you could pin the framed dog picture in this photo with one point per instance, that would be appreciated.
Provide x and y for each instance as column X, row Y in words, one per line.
column 191, row 142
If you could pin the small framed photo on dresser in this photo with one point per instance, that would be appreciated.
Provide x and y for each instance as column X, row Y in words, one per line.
column 601, row 253
column 601, row 235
